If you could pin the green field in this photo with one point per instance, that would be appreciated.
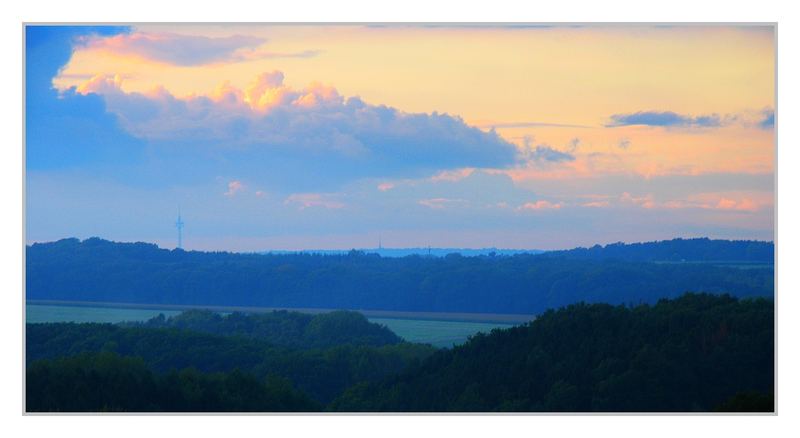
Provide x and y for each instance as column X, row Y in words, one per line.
column 436, row 333
column 439, row 333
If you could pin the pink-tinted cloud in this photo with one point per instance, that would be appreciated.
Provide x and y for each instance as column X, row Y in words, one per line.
column 646, row 201
column 541, row 205
column 234, row 187
column 741, row 205
column 385, row 187
column 452, row 175
column 706, row 201
column 596, row 204
column 307, row 200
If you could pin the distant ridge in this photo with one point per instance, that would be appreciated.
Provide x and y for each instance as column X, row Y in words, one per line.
column 403, row 252
column 677, row 250
column 96, row 270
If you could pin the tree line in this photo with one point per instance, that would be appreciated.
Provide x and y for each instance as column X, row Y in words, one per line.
column 99, row 270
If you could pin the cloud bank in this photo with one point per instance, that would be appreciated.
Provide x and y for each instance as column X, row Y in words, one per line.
column 269, row 124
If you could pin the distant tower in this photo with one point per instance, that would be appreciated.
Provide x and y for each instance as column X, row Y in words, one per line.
column 179, row 226
column 380, row 245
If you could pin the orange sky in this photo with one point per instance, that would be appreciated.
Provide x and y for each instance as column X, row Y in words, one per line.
column 495, row 76
column 613, row 127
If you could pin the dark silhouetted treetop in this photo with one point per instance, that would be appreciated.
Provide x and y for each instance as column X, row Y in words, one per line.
column 696, row 353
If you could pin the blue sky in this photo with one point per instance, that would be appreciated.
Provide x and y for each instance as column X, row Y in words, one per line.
column 295, row 137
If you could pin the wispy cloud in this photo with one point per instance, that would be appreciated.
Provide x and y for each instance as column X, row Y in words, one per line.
column 596, row 204
column 441, row 203
column 308, row 200
column 186, row 50
column 453, row 175
column 544, row 153
column 705, row 201
column 541, row 205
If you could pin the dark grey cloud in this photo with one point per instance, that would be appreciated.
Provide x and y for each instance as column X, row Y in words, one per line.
column 768, row 120
column 544, row 152
column 573, row 145
column 666, row 119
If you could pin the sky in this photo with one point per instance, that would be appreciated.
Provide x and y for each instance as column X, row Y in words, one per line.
column 338, row 136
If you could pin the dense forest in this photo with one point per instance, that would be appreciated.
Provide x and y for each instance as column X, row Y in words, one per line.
column 699, row 352
column 108, row 382
column 351, row 352
column 695, row 353
column 99, row 270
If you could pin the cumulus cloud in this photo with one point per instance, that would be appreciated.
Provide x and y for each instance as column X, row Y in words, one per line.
column 185, row 50
column 271, row 124
column 666, row 119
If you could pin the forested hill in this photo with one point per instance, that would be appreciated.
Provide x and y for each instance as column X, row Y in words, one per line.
column 678, row 250
column 696, row 353
column 288, row 329
column 99, row 270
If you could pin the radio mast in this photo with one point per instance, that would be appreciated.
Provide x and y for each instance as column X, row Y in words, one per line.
column 179, row 226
